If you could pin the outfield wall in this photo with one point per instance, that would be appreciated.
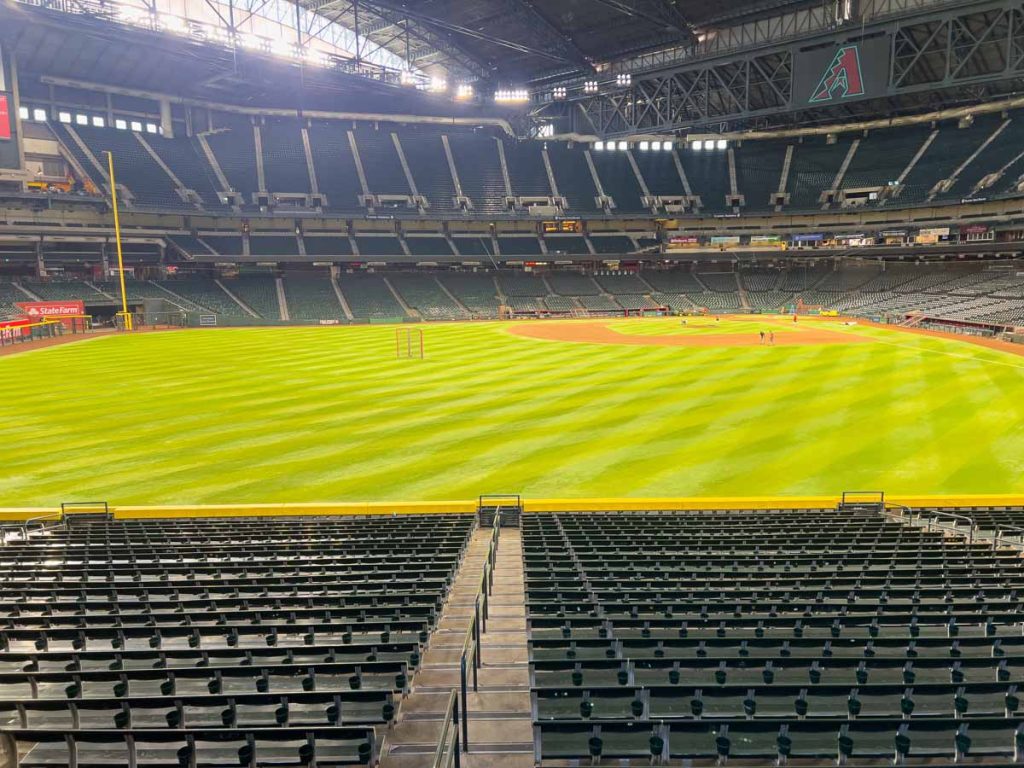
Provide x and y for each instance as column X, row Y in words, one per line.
column 682, row 504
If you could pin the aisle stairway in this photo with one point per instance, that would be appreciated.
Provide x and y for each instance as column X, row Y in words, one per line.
column 499, row 711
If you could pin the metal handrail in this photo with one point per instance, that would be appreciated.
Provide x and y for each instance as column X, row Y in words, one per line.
column 1002, row 528
column 49, row 516
column 448, row 745
column 933, row 515
column 23, row 525
column 477, row 625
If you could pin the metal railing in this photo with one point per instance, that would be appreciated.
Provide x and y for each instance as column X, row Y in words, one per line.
column 934, row 520
column 478, row 625
column 449, row 744
column 24, row 528
column 1015, row 540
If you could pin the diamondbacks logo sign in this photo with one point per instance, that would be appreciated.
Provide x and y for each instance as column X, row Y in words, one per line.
column 842, row 79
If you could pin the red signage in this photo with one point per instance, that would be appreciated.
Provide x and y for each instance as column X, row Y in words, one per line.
column 39, row 310
column 44, row 310
column 12, row 329
column 5, row 118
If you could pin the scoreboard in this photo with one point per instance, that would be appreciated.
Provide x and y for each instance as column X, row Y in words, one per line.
column 566, row 227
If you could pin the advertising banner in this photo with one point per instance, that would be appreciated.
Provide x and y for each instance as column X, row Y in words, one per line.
column 36, row 311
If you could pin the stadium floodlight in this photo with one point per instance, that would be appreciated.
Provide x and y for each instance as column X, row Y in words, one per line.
column 438, row 85
column 560, row 93
column 590, row 86
column 624, row 80
column 136, row 126
column 667, row 146
column 151, row 128
column 23, row 113
column 599, row 146
column 722, row 144
column 121, row 125
column 644, row 146
column 546, row 131
column 464, row 91
column 697, row 145
column 64, row 117
column 81, row 119
column 98, row 121
column 656, row 146
column 511, row 96
column 623, row 146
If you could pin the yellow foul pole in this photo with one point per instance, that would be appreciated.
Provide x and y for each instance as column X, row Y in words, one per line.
column 117, row 238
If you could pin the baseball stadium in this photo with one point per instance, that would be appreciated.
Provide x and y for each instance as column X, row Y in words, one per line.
column 506, row 384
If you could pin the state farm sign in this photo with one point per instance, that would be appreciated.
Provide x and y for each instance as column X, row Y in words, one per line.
column 40, row 310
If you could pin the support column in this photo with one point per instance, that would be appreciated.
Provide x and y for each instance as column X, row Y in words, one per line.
column 166, row 124
column 40, row 263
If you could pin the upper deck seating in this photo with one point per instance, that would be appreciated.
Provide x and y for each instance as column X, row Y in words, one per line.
column 424, row 152
column 572, row 174
column 479, row 167
column 336, row 174
column 284, row 158
column 234, row 146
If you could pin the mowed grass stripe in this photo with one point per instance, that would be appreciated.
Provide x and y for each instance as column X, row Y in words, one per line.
column 321, row 414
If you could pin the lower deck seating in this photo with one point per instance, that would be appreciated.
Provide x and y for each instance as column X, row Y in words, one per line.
column 475, row 290
column 204, row 293
column 259, row 292
column 424, row 294
column 720, row 636
column 369, row 297
column 312, row 297
column 212, row 642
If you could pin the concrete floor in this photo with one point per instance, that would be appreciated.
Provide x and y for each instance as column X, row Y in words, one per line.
column 500, row 731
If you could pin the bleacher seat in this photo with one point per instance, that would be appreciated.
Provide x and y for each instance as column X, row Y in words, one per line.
column 336, row 174
column 575, row 182
column 475, row 290
column 369, row 297
column 259, row 292
column 233, row 144
column 218, row 641
column 284, row 159
column 135, row 168
column 381, row 164
column 311, row 297
column 423, row 293
column 424, row 152
column 526, row 169
column 273, row 245
column 717, row 635
column 204, row 294
column 479, row 168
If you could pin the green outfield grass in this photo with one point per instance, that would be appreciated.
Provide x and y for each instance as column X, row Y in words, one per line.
column 328, row 414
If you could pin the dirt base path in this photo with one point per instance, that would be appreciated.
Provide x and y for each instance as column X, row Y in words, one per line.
column 599, row 332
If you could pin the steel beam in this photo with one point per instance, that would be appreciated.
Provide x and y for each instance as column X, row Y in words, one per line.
column 952, row 53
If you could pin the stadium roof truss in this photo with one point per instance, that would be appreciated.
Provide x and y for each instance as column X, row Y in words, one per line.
column 285, row 28
column 952, row 54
